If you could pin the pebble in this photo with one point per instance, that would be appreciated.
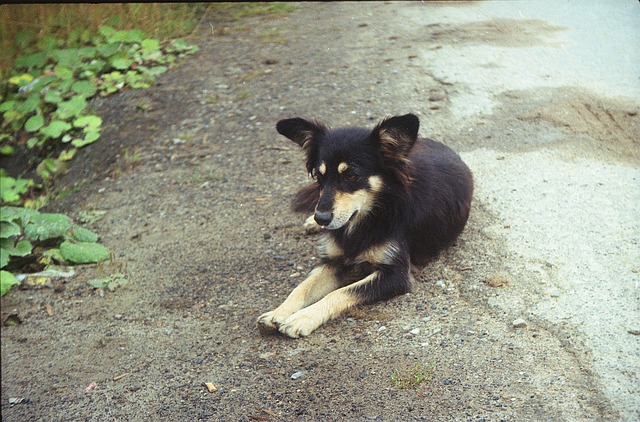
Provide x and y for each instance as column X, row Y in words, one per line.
column 415, row 331
column 297, row 375
column 382, row 328
column 555, row 293
column 519, row 323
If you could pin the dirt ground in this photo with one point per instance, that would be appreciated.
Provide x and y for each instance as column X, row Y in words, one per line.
column 196, row 185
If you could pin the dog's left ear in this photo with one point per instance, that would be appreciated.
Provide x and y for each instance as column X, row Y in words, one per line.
column 396, row 135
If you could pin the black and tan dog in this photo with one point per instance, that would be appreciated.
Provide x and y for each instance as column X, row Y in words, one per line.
column 386, row 201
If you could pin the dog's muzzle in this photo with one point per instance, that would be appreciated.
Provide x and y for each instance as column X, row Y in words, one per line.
column 323, row 218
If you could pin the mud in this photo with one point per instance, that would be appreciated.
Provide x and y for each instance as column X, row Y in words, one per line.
column 196, row 184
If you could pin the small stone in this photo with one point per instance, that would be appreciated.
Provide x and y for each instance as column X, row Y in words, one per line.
column 554, row 293
column 297, row 375
column 382, row 328
column 634, row 331
column 519, row 323
column 295, row 275
column 266, row 236
column 415, row 331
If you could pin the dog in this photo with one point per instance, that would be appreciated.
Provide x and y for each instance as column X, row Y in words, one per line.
column 387, row 202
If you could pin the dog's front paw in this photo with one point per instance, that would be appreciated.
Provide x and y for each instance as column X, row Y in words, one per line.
column 301, row 324
column 272, row 320
column 265, row 321
column 310, row 226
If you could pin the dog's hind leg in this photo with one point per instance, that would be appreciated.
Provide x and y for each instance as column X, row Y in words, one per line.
column 376, row 286
column 321, row 281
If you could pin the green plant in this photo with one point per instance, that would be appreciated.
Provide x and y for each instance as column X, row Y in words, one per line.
column 412, row 377
column 110, row 282
column 49, row 90
column 25, row 232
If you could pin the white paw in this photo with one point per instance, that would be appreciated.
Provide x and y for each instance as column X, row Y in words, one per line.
column 310, row 225
column 301, row 324
column 273, row 319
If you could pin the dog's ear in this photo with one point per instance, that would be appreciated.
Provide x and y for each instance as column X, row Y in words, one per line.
column 300, row 131
column 395, row 136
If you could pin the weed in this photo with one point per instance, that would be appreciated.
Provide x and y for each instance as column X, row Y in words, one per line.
column 45, row 237
column 413, row 377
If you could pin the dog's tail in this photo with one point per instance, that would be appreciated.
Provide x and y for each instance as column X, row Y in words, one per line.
column 306, row 198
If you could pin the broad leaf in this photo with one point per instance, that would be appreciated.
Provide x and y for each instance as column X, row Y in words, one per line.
column 84, row 88
column 55, row 129
column 71, row 108
column 47, row 226
column 34, row 123
column 7, row 280
column 84, row 252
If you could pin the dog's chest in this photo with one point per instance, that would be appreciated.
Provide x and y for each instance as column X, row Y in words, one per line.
column 383, row 253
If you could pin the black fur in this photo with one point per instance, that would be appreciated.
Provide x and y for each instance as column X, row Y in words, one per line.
column 422, row 204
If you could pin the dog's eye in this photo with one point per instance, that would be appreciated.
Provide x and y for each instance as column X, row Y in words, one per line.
column 350, row 176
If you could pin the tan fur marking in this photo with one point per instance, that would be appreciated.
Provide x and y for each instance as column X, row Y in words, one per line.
column 342, row 167
column 376, row 183
column 380, row 254
column 321, row 281
column 322, row 169
column 305, row 321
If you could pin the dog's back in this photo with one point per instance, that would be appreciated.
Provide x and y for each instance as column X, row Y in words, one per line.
column 439, row 199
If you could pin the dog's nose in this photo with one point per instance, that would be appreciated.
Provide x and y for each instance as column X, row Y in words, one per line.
column 323, row 218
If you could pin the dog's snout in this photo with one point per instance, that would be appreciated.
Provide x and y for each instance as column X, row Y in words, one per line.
column 323, row 218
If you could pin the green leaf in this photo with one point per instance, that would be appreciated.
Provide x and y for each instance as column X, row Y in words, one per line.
column 130, row 36
column 7, row 280
column 80, row 234
column 106, row 31
column 99, row 283
column 67, row 57
column 47, row 226
column 30, row 61
column 149, row 46
column 34, row 123
column 49, row 42
column 71, row 108
column 21, row 80
column 84, row 88
column 63, row 72
column 47, row 168
column 120, row 60
column 108, row 50
column 89, row 121
column 53, row 96
column 90, row 137
column 6, row 150
column 55, row 129
column 67, row 154
column 17, row 213
column 7, row 105
column 84, row 252
column 8, row 229
column 4, row 257
column 30, row 104
column 22, row 248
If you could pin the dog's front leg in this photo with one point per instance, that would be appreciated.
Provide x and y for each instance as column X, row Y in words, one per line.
column 376, row 286
column 321, row 281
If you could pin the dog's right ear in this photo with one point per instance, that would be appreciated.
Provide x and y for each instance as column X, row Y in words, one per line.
column 300, row 131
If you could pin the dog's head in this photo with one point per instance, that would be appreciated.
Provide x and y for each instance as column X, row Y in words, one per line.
column 352, row 165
